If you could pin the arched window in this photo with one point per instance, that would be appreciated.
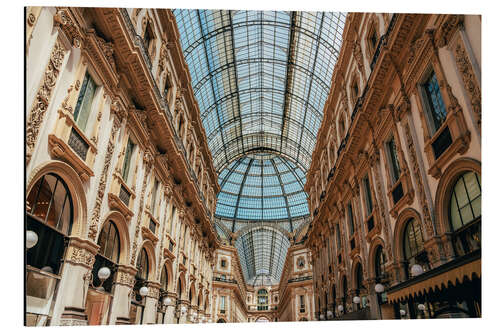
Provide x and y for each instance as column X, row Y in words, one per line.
column 164, row 279
column 465, row 201
column 413, row 246
column 50, row 215
column 359, row 278
column 142, row 265
column 136, row 314
column 379, row 264
column 344, row 292
column 108, row 255
column 465, row 213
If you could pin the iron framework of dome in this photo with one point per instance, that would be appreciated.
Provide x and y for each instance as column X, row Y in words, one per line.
column 261, row 79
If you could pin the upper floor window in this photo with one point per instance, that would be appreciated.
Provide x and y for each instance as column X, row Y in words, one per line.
column 223, row 263
column 392, row 156
column 149, row 37
column 373, row 39
column 84, row 102
column 128, row 159
column 350, row 219
column 222, row 304
column 368, row 195
column 337, row 232
column 154, row 194
column 436, row 109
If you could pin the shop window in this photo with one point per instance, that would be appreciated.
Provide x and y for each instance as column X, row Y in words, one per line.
column 84, row 103
column 413, row 246
column 50, row 216
column 465, row 213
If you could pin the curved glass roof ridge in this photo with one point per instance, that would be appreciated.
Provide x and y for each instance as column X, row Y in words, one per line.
column 262, row 186
column 261, row 78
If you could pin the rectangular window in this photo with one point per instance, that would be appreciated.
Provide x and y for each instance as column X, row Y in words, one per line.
column 337, row 232
column 435, row 104
column 128, row 158
column 84, row 102
column 368, row 195
column 153, row 197
column 302, row 303
column 172, row 220
column 393, row 160
column 350, row 219
column 222, row 303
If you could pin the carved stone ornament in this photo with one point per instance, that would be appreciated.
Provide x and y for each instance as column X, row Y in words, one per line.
column 96, row 211
column 81, row 252
column 470, row 80
column 40, row 105
column 139, row 215
column 64, row 21
column 447, row 29
column 418, row 179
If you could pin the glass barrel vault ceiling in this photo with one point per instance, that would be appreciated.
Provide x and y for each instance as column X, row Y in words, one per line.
column 261, row 79
column 262, row 187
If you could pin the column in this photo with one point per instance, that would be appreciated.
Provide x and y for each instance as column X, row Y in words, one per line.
column 69, row 307
column 151, row 303
column 124, row 283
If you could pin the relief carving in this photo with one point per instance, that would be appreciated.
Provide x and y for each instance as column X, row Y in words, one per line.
column 469, row 78
column 40, row 105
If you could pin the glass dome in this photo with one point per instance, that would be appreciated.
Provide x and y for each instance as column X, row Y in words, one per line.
column 263, row 187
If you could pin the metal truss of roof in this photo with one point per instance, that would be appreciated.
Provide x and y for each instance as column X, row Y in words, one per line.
column 262, row 251
column 262, row 187
column 261, row 78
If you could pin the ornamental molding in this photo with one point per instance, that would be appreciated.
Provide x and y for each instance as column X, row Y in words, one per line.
column 96, row 211
column 81, row 252
column 418, row 180
column 471, row 83
column 447, row 28
column 65, row 21
column 126, row 275
column 40, row 105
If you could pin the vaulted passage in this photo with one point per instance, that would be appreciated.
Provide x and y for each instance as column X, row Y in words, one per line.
column 261, row 80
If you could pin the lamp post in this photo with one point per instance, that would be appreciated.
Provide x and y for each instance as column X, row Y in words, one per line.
column 31, row 239
column 379, row 289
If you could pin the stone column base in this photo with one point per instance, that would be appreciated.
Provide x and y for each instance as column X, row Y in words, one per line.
column 73, row 316
column 122, row 321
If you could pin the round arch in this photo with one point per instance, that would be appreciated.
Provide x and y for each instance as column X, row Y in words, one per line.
column 167, row 265
column 263, row 319
column 377, row 241
column 121, row 224
column 75, row 187
column 192, row 293
column 405, row 215
column 355, row 262
column 445, row 187
column 149, row 247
